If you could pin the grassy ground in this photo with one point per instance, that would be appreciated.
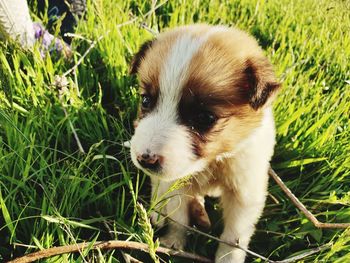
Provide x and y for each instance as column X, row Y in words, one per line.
column 50, row 194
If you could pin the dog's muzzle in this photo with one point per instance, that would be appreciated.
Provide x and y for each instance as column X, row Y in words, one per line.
column 150, row 161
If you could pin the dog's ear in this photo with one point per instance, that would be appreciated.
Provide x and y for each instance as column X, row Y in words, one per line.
column 136, row 61
column 260, row 82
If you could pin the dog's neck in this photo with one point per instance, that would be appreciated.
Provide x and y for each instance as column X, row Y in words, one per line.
column 266, row 122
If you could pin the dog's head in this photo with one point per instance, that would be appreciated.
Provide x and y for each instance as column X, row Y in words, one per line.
column 203, row 90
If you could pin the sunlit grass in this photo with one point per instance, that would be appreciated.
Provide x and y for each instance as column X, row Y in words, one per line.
column 50, row 194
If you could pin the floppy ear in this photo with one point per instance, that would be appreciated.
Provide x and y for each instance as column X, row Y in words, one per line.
column 136, row 61
column 261, row 82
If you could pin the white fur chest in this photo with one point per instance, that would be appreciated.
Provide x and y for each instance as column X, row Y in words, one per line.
column 243, row 165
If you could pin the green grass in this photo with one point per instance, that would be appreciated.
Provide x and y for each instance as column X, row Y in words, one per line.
column 50, row 194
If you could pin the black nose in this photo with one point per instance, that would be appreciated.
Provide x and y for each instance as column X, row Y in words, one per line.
column 150, row 161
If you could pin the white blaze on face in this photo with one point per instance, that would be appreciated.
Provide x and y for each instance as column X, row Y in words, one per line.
column 174, row 72
column 159, row 132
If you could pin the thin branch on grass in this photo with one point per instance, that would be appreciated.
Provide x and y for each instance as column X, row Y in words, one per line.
column 301, row 206
column 306, row 254
column 23, row 245
column 147, row 28
column 80, row 60
column 105, row 245
column 77, row 36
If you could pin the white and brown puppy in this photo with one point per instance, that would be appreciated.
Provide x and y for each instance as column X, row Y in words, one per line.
column 206, row 112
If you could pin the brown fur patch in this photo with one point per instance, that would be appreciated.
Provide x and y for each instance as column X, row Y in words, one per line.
column 149, row 64
column 230, row 77
column 139, row 56
column 198, row 214
column 260, row 81
column 154, row 60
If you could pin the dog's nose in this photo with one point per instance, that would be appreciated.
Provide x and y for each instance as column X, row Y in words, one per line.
column 149, row 161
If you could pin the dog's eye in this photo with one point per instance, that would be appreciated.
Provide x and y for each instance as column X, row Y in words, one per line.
column 146, row 101
column 203, row 121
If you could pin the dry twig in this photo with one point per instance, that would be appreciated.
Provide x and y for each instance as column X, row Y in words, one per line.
column 301, row 206
column 105, row 245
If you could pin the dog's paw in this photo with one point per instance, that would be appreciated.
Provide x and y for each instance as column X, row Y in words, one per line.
column 227, row 254
column 174, row 241
column 157, row 219
column 198, row 214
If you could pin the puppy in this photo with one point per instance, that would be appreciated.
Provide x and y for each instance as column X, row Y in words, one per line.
column 206, row 94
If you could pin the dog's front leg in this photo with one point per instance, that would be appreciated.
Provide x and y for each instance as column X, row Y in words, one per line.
column 241, row 211
column 159, row 201
column 178, row 212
